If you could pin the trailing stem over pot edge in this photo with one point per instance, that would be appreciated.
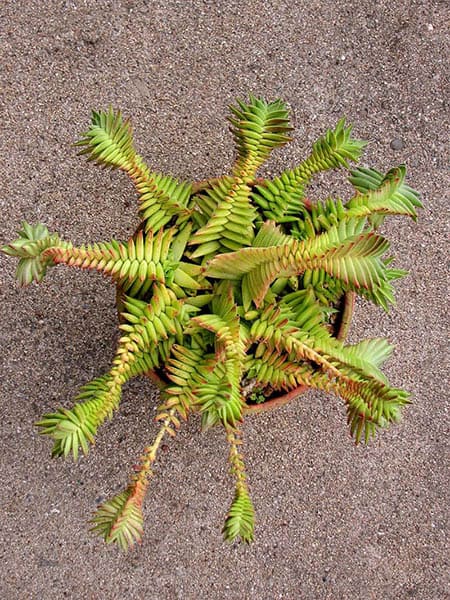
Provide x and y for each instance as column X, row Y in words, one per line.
column 230, row 289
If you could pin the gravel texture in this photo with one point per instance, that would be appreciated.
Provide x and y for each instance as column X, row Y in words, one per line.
column 334, row 521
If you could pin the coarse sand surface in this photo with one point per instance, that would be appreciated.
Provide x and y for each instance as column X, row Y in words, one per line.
column 333, row 521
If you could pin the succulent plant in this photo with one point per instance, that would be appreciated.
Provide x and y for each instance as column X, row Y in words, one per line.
column 229, row 293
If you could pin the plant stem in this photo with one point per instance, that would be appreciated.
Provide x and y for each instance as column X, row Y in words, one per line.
column 236, row 461
column 347, row 313
column 150, row 452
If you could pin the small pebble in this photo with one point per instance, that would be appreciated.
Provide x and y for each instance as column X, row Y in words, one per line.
column 45, row 562
column 397, row 144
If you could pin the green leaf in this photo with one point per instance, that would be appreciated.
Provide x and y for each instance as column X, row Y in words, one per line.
column 375, row 350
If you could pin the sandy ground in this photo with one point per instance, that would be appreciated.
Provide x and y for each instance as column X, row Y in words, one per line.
column 334, row 521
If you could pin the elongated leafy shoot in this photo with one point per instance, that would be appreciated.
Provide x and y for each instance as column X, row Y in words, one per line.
column 283, row 198
column 120, row 520
column 109, row 142
column 390, row 196
column 240, row 521
column 76, row 428
column 258, row 128
column 354, row 259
